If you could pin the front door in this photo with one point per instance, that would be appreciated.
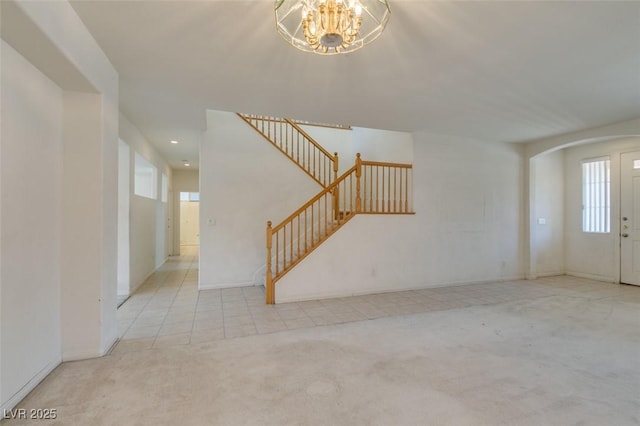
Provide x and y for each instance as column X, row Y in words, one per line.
column 630, row 218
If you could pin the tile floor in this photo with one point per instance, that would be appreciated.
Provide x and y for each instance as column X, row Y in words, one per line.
column 168, row 309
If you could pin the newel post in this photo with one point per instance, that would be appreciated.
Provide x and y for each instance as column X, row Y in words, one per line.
column 336, row 196
column 358, row 174
column 270, row 290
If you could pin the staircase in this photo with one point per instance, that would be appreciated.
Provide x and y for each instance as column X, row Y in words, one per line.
column 295, row 143
column 368, row 187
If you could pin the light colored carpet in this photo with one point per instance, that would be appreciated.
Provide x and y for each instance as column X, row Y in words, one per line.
column 557, row 360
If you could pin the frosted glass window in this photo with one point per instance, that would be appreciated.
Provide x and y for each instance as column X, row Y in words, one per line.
column 146, row 178
column 165, row 188
column 596, row 196
column 636, row 164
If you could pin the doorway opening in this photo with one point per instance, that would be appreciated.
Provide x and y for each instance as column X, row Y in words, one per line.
column 189, row 223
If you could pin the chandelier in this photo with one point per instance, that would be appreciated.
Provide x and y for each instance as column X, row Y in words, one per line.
column 328, row 27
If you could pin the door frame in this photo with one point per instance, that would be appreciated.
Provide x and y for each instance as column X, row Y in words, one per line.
column 619, row 215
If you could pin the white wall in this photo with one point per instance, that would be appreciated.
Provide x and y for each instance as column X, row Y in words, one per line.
column 547, row 239
column 629, row 128
column 335, row 140
column 68, row 252
column 81, row 213
column 383, row 145
column 124, row 201
column 149, row 218
column 593, row 255
column 52, row 37
column 372, row 144
column 244, row 182
column 30, row 175
column 468, row 227
column 186, row 181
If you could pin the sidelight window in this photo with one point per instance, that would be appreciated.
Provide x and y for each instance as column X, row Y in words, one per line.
column 596, row 195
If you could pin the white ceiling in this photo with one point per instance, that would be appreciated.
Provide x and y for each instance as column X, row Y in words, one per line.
column 495, row 71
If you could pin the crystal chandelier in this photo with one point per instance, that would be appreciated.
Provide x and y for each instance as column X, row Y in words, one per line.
column 328, row 27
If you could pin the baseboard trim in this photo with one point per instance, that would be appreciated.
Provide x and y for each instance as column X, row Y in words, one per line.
column 79, row 356
column 591, row 276
column 550, row 274
column 318, row 296
column 30, row 385
column 110, row 347
column 217, row 286
column 137, row 285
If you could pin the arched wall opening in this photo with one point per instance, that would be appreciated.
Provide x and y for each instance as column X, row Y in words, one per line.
column 557, row 243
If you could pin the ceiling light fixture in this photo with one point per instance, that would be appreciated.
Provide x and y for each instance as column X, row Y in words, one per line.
column 187, row 164
column 328, row 27
column 174, row 142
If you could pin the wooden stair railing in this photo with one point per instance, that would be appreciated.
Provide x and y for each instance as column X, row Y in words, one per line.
column 368, row 187
column 388, row 188
column 298, row 146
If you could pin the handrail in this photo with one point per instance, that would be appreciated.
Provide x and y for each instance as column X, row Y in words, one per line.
column 369, row 187
column 314, row 199
column 301, row 122
column 306, row 135
column 387, row 188
column 290, row 139
column 382, row 164
column 301, row 232
column 327, row 125
column 262, row 118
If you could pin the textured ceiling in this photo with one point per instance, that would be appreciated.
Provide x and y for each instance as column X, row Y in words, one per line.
column 494, row 71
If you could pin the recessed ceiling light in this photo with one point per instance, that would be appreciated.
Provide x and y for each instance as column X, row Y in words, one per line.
column 187, row 164
column 174, row 142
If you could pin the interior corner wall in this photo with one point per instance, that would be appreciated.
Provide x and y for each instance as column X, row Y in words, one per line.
column 468, row 227
column 51, row 37
column 244, row 182
column 383, row 145
column 547, row 218
column 372, row 144
column 124, row 201
column 590, row 255
column 82, row 213
column 149, row 218
column 30, row 187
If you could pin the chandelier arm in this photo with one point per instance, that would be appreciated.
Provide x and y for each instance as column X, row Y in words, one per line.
column 331, row 26
column 289, row 12
column 366, row 10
